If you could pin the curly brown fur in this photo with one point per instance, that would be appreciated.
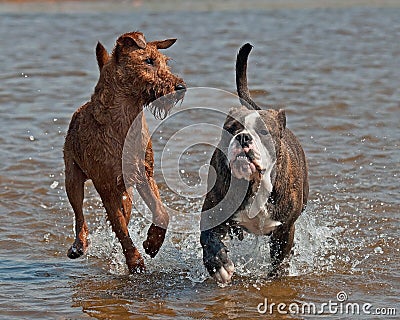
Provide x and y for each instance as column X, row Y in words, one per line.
column 131, row 78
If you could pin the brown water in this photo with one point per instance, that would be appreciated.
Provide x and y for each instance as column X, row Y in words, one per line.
column 336, row 70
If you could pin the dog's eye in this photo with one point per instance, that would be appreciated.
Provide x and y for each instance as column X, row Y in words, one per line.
column 149, row 61
column 233, row 129
column 263, row 132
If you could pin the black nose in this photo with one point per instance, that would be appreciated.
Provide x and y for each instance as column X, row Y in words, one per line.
column 180, row 87
column 244, row 139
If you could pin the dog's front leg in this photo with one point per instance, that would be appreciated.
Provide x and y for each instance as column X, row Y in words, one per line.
column 157, row 230
column 215, row 254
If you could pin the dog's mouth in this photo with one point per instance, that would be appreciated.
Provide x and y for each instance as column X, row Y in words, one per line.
column 245, row 164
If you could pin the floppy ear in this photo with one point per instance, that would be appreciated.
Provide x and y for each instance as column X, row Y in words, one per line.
column 164, row 44
column 101, row 55
column 131, row 40
column 282, row 118
column 128, row 42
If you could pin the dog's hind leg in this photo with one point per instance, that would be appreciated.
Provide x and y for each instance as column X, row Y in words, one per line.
column 281, row 244
column 118, row 215
column 74, row 185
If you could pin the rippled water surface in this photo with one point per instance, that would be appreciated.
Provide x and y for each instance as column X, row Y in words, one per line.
column 335, row 71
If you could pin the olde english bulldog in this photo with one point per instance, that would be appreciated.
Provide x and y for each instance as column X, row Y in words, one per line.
column 257, row 182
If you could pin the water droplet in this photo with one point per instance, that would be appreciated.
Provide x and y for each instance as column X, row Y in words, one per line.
column 54, row 185
column 378, row 250
column 32, row 138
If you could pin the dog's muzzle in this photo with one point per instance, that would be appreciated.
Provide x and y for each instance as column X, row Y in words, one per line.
column 160, row 106
column 244, row 156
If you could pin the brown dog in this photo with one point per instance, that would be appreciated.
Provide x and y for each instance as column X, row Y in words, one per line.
column 131, row 78
column 260, row 183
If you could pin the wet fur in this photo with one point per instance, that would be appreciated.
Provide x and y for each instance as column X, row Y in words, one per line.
column 95, row 139
column 285, row 203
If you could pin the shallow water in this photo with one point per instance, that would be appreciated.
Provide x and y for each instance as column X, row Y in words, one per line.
column 336, row 72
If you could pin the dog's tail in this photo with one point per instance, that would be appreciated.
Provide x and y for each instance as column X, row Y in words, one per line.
column 241, row 77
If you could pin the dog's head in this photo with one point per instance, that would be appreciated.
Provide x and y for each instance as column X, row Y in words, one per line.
column 142, row 72
column 246, row 160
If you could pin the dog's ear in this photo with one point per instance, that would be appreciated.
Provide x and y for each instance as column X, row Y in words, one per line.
column 128, row 42
column 101, row 55
column 132, row 40
column 164, row 44
column 282, row 118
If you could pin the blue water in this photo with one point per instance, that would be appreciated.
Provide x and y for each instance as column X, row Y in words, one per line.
column 336, row 72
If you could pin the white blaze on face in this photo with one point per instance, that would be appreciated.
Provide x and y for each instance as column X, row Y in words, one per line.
column 255, row 217
column 241, row 166
column 262, row 147
column 267, row 162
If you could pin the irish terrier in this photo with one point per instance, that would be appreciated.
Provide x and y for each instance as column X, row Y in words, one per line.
column 131, row 78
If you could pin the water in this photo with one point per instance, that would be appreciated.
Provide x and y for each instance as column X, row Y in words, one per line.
column 336, row 72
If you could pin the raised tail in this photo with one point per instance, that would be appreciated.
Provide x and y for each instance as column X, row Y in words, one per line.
column 241, row 77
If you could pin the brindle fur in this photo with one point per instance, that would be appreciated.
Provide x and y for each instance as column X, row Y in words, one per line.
column 290, row 183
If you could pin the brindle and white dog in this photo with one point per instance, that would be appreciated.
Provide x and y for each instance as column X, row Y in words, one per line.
column 259, row 182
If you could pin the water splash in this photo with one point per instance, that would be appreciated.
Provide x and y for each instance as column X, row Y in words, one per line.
column 181, row 253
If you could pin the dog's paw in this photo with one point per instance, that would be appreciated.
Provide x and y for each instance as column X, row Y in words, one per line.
column 225, row 273
column 77, row 250
column 220, row 267
column 137, row 267
column 154, row 241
